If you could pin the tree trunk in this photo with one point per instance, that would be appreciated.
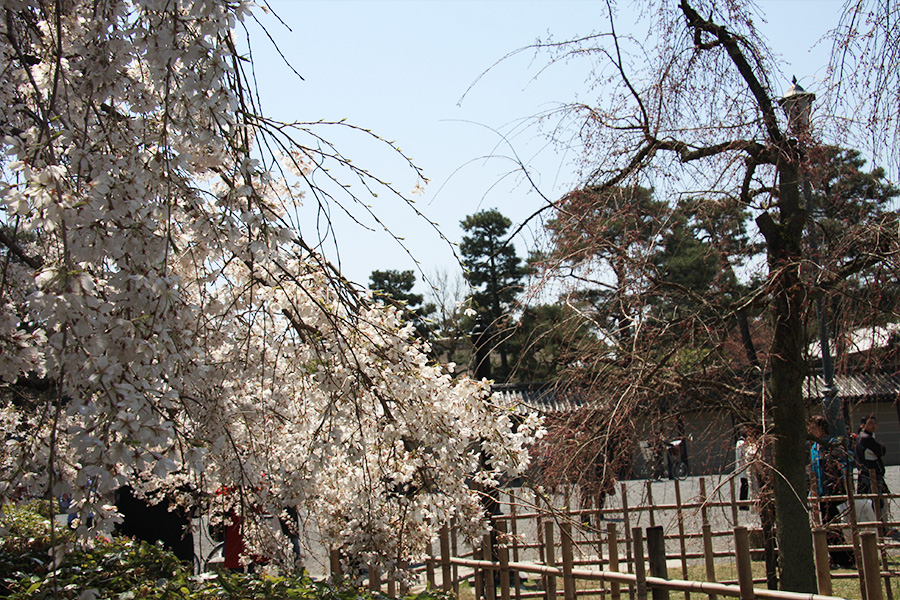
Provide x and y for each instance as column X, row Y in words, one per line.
column 787, row 368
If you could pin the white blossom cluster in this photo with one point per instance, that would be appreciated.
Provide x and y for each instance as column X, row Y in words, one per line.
column 162, row 326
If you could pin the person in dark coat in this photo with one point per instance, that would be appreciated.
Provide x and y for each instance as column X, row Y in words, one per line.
column 869, row 457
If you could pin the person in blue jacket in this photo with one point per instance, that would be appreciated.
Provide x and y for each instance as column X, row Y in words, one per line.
column 828, row 462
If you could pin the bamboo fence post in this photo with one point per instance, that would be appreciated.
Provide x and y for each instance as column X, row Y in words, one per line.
column 454, row 575
column 626, row 518
column 478, row 572
column 744, row 568
column 503, row 556
column 599, row 498
column 539, row 528
column 813, row 500
column 734, row 507
column 374, row 579
column 514, row 532
column 704, row 515
column 550, row 557
column 446, row 566
column 854, row 530
column 612, row 544
column 708, row 557
column 823, row 567
column 568, row 560
column 640, row 575
column 487, row 545
column 656, row 554
column 681, row 544
column 879, row 515
column 650, row 503
column 335, row 560
column 871, row 565
column 403, row 587
column 429, row 570
column 599, row 520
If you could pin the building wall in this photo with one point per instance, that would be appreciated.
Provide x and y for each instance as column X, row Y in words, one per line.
column 710, row 438
column 712, row 435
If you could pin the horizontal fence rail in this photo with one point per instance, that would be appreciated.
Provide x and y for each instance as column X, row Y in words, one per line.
column 542, row 545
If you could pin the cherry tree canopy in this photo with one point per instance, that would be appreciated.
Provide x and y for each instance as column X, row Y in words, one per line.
column 162, row 325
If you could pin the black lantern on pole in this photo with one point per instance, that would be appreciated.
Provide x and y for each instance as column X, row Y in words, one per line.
column 797, row 103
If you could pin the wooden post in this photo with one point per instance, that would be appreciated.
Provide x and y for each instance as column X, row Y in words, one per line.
column 704, row 514
column 681, row 542
column 454, row 575
column 708, row 556
column 823, row 567
column 854, row 530
column 599, row 520
column 871, row 565
column 446, row 565
column 656, row 554
column 478, row 573
column 625, row 517
column 640, row 575
column 568, row 560
column 650, row 503
column 516, row 576
column 879, row 514
column 744, row 568
column 374, row 579
column 335, row 559
column 503, row 557
column 734, row 506
column 550, row 558
column 403, row 587
column 539, row 528
column 392, row 587
column 612, row 544
column 490, row 590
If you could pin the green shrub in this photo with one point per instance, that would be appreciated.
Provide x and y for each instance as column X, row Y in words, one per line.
column 124, row 569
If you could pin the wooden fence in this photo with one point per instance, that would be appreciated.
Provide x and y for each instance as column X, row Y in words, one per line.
column 542, row 545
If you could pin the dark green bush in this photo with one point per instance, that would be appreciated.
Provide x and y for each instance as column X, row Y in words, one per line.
column 124, row 569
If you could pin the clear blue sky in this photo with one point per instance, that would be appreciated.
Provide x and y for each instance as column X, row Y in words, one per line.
column 401, row 69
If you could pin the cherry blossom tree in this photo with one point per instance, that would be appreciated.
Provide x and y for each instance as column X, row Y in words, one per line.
column 162, row 325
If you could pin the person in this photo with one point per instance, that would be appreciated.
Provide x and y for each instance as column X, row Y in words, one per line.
column 740, row 469
column 828, row 462
column 744, row 454
column 869, row 457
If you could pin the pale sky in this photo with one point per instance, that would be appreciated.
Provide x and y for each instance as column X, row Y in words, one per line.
column 402, row 69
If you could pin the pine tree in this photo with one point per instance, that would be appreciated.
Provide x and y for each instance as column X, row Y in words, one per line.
column 493, row 270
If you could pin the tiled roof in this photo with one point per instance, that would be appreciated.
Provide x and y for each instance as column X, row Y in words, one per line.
column 550, row 397
column 543, row 397
column 860, row 386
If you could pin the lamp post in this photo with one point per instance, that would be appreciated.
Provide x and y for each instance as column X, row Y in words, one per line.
column 797, row 103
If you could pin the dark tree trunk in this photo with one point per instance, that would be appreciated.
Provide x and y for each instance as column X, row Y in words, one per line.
column 787, row 372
